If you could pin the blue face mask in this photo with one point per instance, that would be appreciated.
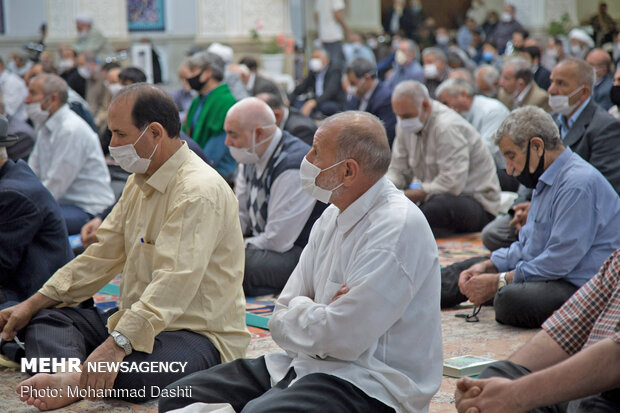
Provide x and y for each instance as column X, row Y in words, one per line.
column 487, row 56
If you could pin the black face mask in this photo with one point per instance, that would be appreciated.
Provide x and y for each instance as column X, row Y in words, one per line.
column 614, row 95
column 527, row 178
column 195, row 83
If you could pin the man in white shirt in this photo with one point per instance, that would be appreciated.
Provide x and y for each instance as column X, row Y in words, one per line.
column 14, row 91
column 276, row 214
column 67, row 155
column 456, row 181
column 484, row 114
column 359, row 318
column 329, row 18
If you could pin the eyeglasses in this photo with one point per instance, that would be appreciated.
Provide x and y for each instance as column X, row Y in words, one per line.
column 473, row 317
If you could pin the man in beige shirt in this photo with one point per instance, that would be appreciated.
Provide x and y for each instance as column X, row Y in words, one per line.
column 456, row 184
column 517, row 86
column 176, row 238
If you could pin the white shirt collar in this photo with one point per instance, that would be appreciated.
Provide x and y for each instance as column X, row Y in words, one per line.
column 250, row 85
column 521, row 96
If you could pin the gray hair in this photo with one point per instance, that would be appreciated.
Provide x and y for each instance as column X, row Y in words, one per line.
column 526, row 123
column 463, row 73
column 412, row 89
column 523, row 68
column 412, row 46
column 208, row 60
column 585, row 73
column 362, row 137
column 455, row 87
column 437, row 52
column 53, row 84
column 490, row 75
column 3, row 154
column 361, row 66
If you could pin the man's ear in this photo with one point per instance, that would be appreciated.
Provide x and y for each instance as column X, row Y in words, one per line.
column 352, row 170
column 157, row 130
column 537, row 144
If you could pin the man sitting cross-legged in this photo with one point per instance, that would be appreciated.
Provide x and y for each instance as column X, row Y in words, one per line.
column 176, row 238
column 571, row 228
column 359, row 317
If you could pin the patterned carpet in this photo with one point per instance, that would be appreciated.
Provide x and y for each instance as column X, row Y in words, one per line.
column 485, row 338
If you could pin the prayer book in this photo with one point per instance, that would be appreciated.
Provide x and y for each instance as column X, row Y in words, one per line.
column 465, row 366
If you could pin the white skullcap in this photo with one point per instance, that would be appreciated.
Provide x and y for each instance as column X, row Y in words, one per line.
column 582, row 36
column 225, row 52
column 85, row 18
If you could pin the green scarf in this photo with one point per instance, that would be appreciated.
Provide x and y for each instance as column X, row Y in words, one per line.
column 211, row 118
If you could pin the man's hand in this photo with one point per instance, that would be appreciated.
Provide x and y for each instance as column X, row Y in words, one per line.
column 520, row 217
column 416, row 195
column 481, row 288
column 308, row 107
column 492, row 395
column 108, row 351
column 89, row 230
column 342, row 291
column 476, row 269
column 13, row 319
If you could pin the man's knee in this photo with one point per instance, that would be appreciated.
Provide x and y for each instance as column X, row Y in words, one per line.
column 515, row 307
column 498, row 233
column 504, row 368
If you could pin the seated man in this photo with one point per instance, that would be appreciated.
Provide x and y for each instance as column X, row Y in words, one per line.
column 436, row 68
column 572, row 227
column 33, row 235
column 276, row 214
column 485, row 114
column 487, row 81
column 322, row 87
column 22, row 148
column 67, row 156
column 407, row 66
column 459, row 189
column 175, row 236
column 517, row 86
column 204, row 122
column 255, row 82
column 371, row 246
column 601, row 61
column 370, row 94
column 585, row 127
column 290, row 119
column 572, row 365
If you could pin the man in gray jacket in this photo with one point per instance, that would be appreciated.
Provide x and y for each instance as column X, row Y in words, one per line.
column 456, row 184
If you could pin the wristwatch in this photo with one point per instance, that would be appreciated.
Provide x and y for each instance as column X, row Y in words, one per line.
column 502, row 280
column 122, row 341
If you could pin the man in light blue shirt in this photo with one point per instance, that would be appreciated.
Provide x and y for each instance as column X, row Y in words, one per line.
column 572, row 227
column 406, row 66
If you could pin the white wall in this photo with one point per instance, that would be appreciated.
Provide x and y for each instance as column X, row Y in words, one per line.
column 23, row 18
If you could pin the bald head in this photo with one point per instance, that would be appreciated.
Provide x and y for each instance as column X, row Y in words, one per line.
column 601, row 61
column 251, row 113
column 249, row 123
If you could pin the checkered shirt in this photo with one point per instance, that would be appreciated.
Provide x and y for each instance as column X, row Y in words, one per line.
column 592, row 313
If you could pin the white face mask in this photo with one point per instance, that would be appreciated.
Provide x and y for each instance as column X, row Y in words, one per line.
column 400, row 57
column 560, row 103
column 411, row 125
column 506, row 17
column 316, row 65
column 308, row 173
column 576, row 50
column 64, row 65
column 442, row 39
column 431, row 71
column 37, row 115
column 128, row 159
column 84, row 72
column 247, row 155
column 114, row 88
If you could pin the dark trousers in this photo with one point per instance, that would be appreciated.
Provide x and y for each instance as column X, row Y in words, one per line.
column 75, row 218
column 498, row 233
column 266, row 272
column 76, row 332
column 335, row 53
column 525, row 305
column 246, row 385
column 448, row 214
column 608, row 402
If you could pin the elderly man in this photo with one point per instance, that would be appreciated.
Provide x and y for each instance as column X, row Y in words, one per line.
column 254, row 82
column 407, row 66
column 457, row 186
column 371, row 246
column 276, row 214
column 436, row 68
column 570, row 366
column 370, row 94
column 289, row 118
column 580, row 43
column 601, row 61
column 67, row 156
column 22, row 148
column 322, row 86
column 614, row 94
column 517, row 86
column 487, row 80
column 90, row 38
column 485, row 114
column 14, row 91
column 175, row 236
column 572, row 227
column 33, row 235
column 584, row 127
column 204, row 122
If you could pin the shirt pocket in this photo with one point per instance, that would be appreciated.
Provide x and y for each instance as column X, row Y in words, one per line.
column 144, row 263
column 541, row 233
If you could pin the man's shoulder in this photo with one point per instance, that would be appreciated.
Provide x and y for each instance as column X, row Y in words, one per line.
column 197, row 180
